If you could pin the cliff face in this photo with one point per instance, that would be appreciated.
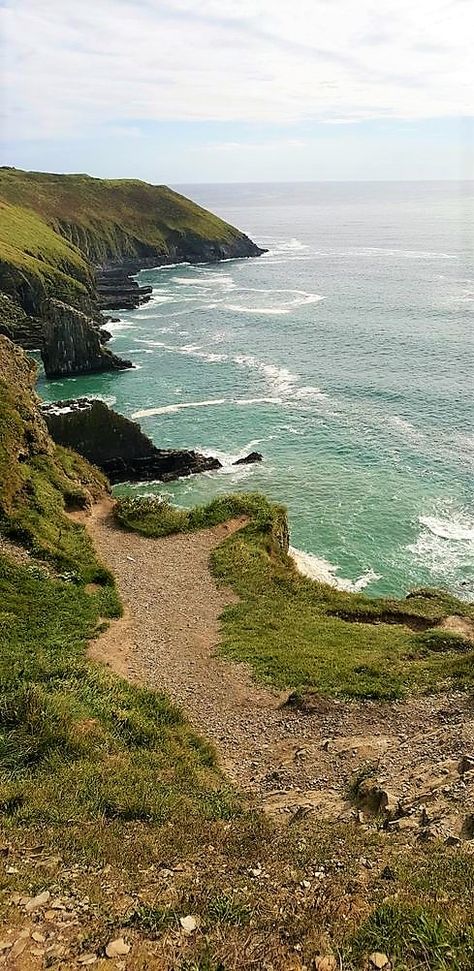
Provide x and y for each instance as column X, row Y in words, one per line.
column 78, row 240
column 116, row 444
column 71, row 344
column 37, row 478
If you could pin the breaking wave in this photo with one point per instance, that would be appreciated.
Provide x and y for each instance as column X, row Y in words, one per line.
column 321, row 570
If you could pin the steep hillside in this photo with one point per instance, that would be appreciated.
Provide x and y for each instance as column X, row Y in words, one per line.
column 122, row 844
column 75, row 239
column 118, row 220
column 39, row 480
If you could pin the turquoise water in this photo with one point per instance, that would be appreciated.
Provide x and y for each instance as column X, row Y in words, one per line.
column 344, row 355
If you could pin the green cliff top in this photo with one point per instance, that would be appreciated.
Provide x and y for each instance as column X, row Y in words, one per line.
column 53, row 227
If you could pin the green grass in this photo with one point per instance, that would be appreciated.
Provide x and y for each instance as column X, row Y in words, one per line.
column 415, row 936
column 155, row 516
column 36, row 262
column 120, row 752
column 108, row 796
column 52, row 219
column 298, row 633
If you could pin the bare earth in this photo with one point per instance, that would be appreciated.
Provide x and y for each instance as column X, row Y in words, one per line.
column 421, row 751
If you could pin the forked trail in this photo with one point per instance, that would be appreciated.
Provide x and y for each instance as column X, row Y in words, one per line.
column 280, row 758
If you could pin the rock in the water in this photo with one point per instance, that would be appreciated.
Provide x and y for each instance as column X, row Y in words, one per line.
column 72, row 345
column 117, row 445
column 248, row 459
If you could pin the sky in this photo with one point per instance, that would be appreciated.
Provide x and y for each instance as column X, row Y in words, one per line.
column 184, row 91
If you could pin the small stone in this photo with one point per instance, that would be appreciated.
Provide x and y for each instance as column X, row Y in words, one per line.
column 11, row 870
column 466, row 764
column 327, row 963
column 452, row 840
column 379, row 960
column 38, row 937
column 4, row 945
column 189, row 924
column 306, row 884
column 36, row 902
column 86, row 959
column 19, row 946
column 116, row 948
column 37, row 951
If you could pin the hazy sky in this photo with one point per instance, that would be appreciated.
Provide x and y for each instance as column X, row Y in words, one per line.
column 240, row 90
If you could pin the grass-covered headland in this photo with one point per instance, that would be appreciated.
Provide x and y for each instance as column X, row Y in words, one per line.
column 298, row 633
column 56, row 230
column 114, row 810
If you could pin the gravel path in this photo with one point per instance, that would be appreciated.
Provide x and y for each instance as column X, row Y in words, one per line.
column 281, row 758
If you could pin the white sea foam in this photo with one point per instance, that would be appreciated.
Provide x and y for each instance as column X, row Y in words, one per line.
column 319, row 569
column 206, row 282
column 228, row 459
column 171, row 409
column 299, row 298
column 281, row 379
column 449, row 529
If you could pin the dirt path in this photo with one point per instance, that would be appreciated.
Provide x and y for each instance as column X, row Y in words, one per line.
column 284, row 759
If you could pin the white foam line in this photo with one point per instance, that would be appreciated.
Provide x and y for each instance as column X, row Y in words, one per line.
column 171, row 409
column 321, row 570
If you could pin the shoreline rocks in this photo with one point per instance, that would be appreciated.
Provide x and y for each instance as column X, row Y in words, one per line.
column 72, row 344
column 118, row 445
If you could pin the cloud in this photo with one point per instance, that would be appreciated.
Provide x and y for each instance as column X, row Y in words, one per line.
column 72, row 69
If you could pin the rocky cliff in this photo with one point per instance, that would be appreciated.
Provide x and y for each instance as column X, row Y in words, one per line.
column 79, row 240
column 71, row 344
column 118, row 446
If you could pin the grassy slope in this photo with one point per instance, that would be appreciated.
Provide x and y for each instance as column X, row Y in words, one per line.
column 35, row 261
column 107, row 218
column 299, row 633
column 110, row 801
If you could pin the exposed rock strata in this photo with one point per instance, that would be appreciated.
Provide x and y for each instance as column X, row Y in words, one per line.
column 117, row 291
column 71, row 344
column 117, row 445
column 82, row 240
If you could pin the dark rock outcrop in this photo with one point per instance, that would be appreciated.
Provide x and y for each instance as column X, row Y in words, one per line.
column 18, row 326
column 248, row 459
column 71, row 344
column 117, row 291
column 117, row 445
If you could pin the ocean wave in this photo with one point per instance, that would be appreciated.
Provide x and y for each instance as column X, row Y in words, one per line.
column 286, row 246
column 210, row 280
column 449, row 529
column 300, row 298
column 171, row 409
column 280, row 378
column 228, row 459
column 322, row 570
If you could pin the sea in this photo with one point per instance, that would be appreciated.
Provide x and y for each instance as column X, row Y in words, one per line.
column 344, row 355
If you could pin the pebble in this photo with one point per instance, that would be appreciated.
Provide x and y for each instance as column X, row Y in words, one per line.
column 379, row 960
column 117, row 947
column 34, row 903
column 189, row 924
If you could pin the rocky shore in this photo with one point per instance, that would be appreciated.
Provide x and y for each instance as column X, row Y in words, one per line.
column 119, row 447
column 70, row 246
